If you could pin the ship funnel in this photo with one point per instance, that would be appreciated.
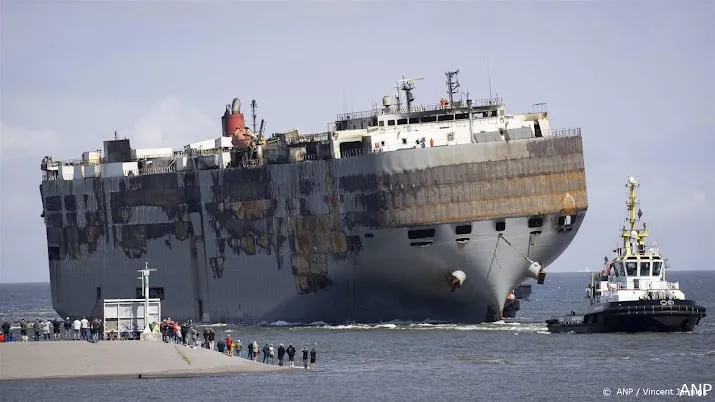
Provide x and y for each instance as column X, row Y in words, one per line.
column 236, row 106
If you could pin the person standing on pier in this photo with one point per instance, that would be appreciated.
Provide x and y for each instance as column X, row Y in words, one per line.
column 36, row 329
column 85, row 328
column 56, row 328
column 305, row 357
column 23, row 330
column 76, row 327
column 6, row 330
column 68, row 328
column 313, row 354
column 265, row 353
column 229, row 345
column 250, row 351
column 281, row 354
column 212, row 339
column 291, row 355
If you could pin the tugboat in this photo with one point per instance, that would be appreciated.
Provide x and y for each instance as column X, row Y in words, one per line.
column 631, row 293
column 523, row 291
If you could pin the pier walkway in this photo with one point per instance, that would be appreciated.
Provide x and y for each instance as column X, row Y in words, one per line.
column 117, row 359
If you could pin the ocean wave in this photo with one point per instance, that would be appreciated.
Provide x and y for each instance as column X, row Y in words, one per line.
column 482, row 359
column 407, row 325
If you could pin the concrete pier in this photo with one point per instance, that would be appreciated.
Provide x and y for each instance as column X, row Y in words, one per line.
column 117, row 359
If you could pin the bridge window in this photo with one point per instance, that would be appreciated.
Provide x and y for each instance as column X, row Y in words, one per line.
column 656, row 267
column 414, row 120
column 401, row 121
column 429, row 119
column 632, row 268
column 500, row 226
column 390, row 122
column 645, row 268
column 446, row 117
column 381, row 123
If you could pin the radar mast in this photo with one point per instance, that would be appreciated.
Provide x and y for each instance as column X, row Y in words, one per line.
column 407, row 85
column 452, row 85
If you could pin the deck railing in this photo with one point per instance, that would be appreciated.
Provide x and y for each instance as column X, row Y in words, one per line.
column 477, row 103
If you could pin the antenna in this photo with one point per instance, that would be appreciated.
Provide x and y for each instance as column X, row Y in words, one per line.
column 407, row 85
column 452, row 85
column 489, row 76
column 254, row 106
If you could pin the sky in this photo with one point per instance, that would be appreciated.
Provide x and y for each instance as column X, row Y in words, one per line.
column 636, row 77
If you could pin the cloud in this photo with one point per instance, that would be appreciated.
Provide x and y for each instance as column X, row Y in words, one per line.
column 171, row 122
column 17, row 141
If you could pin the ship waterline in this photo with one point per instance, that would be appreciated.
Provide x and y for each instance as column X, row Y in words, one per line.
column 399, row 213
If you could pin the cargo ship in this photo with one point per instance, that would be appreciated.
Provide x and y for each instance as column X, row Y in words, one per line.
column 403, row 212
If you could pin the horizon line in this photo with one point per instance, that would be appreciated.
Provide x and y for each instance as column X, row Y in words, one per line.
column 555, row 272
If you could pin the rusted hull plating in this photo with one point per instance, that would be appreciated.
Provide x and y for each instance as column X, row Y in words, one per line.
column 320, row 240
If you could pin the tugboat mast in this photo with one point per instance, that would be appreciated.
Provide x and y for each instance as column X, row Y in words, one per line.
column 633, row 232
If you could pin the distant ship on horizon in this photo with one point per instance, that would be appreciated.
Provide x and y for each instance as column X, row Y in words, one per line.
column 404, row 212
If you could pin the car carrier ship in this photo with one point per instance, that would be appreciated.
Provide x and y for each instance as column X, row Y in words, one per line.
column 403, row 212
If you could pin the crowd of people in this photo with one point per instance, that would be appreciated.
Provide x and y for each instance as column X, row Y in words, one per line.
column 78, row 329
column 185, row 333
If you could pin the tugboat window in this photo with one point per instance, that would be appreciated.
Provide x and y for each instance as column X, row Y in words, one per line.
column 656, row 268
column 645, row 268
column 632, row 268
column 619, row 269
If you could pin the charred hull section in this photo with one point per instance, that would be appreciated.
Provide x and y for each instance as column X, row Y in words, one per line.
column 634, row 316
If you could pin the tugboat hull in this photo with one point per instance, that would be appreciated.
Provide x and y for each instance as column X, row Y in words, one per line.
column 635, row 316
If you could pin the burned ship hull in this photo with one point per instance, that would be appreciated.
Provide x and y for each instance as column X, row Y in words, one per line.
column 367, row 238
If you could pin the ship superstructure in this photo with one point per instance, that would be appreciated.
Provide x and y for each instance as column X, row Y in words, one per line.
column 402, row 212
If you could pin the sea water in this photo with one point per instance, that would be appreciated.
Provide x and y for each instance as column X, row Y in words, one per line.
column 506, row 361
